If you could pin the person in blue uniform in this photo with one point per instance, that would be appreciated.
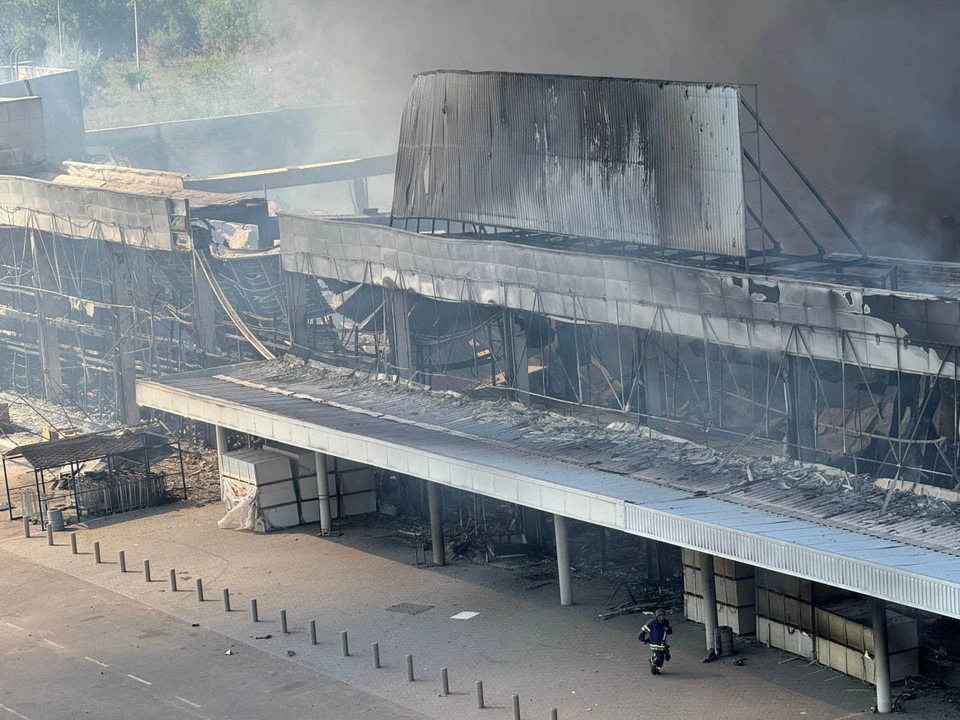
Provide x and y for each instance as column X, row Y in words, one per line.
column 655, row 634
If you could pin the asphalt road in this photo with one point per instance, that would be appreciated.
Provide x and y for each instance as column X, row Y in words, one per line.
column 70, row 650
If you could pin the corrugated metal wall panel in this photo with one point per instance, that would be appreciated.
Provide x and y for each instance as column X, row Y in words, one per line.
column 636, row 161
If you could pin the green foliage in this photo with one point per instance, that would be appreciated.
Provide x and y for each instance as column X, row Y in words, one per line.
column 135, row 79
column 89, row 66
column 227, row 26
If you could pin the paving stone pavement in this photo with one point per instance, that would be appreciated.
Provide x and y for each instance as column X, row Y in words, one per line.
column 519, row 642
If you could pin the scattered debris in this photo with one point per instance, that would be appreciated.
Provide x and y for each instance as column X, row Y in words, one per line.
column 740, row 661
column 229, row 652
column 263, row 637
column 291, row 653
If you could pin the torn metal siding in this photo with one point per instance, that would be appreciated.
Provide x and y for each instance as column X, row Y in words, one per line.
column 141, row 221
column 636, row 161
column 886, row 330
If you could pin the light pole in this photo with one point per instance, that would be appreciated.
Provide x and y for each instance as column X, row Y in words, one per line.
column 60, row 29
column 136, row 40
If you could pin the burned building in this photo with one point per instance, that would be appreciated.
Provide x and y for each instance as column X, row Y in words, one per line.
column 639, row 255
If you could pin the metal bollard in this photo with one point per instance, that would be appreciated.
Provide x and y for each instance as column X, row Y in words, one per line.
column 26, row 526
column 344, row 645
column 313, row 632
column 253, row 610
column 226, row 599
column 173, row 579
column 409, row 668
column 283, row 622
column 479, row 694
column 49, row 534
column 553, row 714
column 146, row 571
column 73, row 543
column 123, row 561
column 516, row 707
column 96, row 552
column 376, row 656
column 199, row 590
column 444, row 682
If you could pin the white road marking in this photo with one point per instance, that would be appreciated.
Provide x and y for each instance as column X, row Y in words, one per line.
column 139, row 680
column 184, row 700
column 14, row 713
column 51, row 642
column 95, row 662
column 15, row 627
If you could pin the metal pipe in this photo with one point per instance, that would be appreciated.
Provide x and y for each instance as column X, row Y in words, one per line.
column 553, row 714
column 344, row 644
column 313, row 632
column 283, row 622
column 881, row 657
column 444, row 682
column 96, row 552
column 199, row 590
column 479, row 694
column 409, row 668
column 436, row 523
column 516, row 707
column 563, row 559
column 123, row 561
column 376, row 656
column 173, row 580
column 73, row 543
column 226, row 599
column 146, row 571
column 254, row 615
column 709, row 601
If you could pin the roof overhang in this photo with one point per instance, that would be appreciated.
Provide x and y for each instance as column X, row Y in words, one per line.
column 894, row 571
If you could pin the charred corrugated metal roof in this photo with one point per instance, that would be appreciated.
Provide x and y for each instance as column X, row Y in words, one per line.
column 636, row 161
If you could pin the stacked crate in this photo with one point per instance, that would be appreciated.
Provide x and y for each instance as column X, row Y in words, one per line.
column 736, row 595
column 844, row 635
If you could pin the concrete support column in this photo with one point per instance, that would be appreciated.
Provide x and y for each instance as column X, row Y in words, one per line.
column 44, row 277
column 204, row 314
column 323, row 494
column 881, row 657
column 709, row 601
column 397, row 308
column 436, row 523
column 124, row 324
column 801, row 397
column 297, row 311
column 650, row 360
column 222, row 447
column 563, row 559
column 515, row 351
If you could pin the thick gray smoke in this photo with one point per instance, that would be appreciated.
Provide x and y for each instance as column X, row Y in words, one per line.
column 863, row 93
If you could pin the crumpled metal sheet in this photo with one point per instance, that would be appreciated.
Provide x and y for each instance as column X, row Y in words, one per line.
column 882, row 329
column 637, row 161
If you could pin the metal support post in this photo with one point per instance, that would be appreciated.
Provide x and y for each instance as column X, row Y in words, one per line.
column 563, row 559
column 146, row 571
column 881, row 657
column 73, row 543
column 222, row 447
column 226, row 599
column 173, row 580
column 313, row 632
column 254, row 615
column 123, row 561
column 436, row 523
column 96, row 552
column 516, row 707
column 553, row 714
column 199, row 590
column 801, row 409
column 396, row 303
column 297, row 306
column 344, row 644
column 709, row 601
column 444, row 682
column 26, row 526
column 376, row 656
column 283, row 622
column 409, row 668
column 323, row 494
column 49, row 534
column 479, row 694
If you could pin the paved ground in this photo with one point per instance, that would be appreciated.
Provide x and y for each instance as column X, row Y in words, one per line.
column 520, row 642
